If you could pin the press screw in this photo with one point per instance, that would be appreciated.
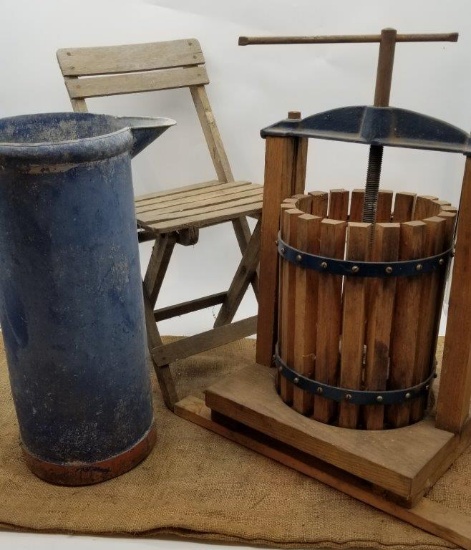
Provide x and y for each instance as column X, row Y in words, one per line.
column 408, row 395
column 324, row 265
column 389, row 270
column 418, row 267
column 348, row 396
column 379, row 399
column 299, row 258
column 355, row 269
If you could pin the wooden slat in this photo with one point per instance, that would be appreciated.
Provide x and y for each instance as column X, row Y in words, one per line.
column 406, row 321
column 191, row 345
column 193, row 206
column 289, row 224
column 190, row 306
column 353, row 323
column 308, row 231
column 320, row 203
column 378, row 340
column 430, row 307
column 133, row 83
column 455, row 381
column 425, row 207
column 356, row 205
column 338, row 204
column 198, row 191
column 403, row 207
column 332, row 244
column 129, row 58
column 384, row 206
column 209, row 218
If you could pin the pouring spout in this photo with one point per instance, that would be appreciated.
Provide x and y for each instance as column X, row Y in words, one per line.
column 145, row 130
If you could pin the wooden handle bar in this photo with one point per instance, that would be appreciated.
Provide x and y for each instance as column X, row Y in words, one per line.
column 345, row 38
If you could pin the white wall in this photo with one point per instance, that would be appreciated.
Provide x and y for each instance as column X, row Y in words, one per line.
column 251, row 88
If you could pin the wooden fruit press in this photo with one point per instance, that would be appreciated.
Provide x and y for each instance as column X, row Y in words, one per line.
column 349, row 309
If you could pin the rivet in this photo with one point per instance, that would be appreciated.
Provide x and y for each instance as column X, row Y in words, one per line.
column 282, row 250
column 319, row 390
column 418, row 267
column 299, row 258
column 389, row 270
column 379, row 398
column 296, row 380
column 348, row 396
column 427, row 387
column 280, row 369
column 355, row 269
column 435, row 375
column 276, row 242
column 324, row 265
column 441, row 261
column 408, row 395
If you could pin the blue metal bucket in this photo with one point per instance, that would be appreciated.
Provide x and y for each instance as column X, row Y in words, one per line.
column 71, row 308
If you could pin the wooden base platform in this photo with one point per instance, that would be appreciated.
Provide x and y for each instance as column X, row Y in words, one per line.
column 390, row 469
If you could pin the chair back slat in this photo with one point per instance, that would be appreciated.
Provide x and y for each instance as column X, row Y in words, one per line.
column 129, row 58
column 118, row 84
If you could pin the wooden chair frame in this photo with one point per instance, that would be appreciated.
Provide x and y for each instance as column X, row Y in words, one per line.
column 115, row 70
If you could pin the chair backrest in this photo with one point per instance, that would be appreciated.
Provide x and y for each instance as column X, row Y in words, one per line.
column 135, row 68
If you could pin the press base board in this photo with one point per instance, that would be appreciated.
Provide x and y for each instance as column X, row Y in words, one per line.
column 432, row 517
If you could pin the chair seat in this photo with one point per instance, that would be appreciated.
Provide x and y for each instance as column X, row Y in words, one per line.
column 199, row 205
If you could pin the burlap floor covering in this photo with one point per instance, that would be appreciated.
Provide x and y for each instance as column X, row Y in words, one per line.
column 199, row 485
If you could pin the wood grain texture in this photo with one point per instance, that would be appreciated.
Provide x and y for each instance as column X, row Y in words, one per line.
column 403, row 207
column 430, row 307
column 129, row 58
column 353, row 323
column 308, row 230
column 329, row 316
column 338, row 204
column 378, row 340
column 406, row 318
column 455, row 385
column 166, row 79
column 320, row 203
column 391, row 459
column 356, row 205
column 289, row 228
column 384, row 206
column 433, row 517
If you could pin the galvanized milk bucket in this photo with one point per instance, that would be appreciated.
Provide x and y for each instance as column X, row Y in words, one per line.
column 71, row 308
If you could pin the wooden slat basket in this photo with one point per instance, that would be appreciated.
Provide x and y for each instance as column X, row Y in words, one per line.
column 366, row 341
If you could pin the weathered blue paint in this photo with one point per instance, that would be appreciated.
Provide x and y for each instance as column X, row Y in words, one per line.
column 71, row 307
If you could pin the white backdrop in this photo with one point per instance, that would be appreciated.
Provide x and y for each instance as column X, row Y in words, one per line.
column 250, row 88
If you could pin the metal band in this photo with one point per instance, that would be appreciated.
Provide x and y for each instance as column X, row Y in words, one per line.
column 362, row 269
column 356, row 397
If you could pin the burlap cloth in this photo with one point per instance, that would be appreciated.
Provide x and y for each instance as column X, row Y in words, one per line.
column 199, row 485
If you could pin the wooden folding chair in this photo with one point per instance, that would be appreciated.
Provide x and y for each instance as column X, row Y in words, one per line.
column 175, row 216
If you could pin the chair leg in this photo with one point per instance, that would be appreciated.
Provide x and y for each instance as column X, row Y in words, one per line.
column 245, row 274
column 242, row 231
column 158, row 264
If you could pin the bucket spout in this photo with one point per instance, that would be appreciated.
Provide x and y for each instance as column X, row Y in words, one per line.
column 145, row 130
